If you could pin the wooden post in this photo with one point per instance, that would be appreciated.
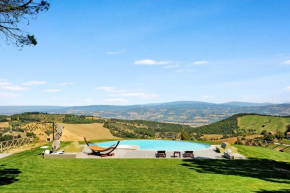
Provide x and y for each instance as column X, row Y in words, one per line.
column 53, row 135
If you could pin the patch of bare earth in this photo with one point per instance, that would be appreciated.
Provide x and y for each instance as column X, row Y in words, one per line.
column 77, row 132
column 231, row 140
column 4, row 124
column 209, row 137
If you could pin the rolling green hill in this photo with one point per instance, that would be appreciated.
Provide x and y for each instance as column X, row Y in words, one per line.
column 245, row 123
column 260, row 123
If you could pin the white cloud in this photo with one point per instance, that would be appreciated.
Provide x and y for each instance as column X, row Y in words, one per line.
column 9, row 95
column 106, row 88
column 172, row 66
column 33, row 83
column 4, row 83
column 139, row 94
column 200, row 62
column 118, row 100
column 65, row 84
column 287, row 88
column 52, row 90
column 15, row 87
column 207, row 96
column 117, row 52
column 150, row 62
column 286, row 62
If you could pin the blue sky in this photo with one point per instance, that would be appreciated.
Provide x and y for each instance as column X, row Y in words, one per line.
column 136, row 52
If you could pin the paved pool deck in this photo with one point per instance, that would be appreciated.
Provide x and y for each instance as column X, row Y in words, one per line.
column 2, row 155
column 208, row 153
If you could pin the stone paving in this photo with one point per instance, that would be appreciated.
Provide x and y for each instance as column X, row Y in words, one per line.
column 2, row 155
column 209, row 153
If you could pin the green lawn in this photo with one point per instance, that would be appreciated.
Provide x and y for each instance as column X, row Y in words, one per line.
column 28, row 172
column 256, row 122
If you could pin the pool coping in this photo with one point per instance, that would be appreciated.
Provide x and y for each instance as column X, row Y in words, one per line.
column 137, row 147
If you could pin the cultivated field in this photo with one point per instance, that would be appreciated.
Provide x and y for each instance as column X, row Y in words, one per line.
column 77, row 132
column 4, row 124
column 260, row 123
column 209, row 137
column 231, row 140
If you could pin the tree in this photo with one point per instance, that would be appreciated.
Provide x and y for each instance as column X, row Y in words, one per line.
column 269, row 137
column 184, row 135
column 264, row 132
column 279, row 135
column 12, row 13
column 287, row 129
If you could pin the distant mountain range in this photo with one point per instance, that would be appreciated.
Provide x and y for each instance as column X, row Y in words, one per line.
column 194, row 113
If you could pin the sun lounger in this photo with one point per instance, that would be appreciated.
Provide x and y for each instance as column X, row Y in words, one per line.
column 161, row 154
column 224, row 148
column 188, row 154
column 229, row 156
column 97, row 150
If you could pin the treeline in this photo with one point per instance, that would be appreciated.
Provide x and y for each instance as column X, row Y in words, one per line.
column 226, row 126
column 73, row 119
column 81, row 119
column 128, row 131
column 3, row 118
column 44, row 117
column 141, row 128
column 37, row 117
column 153, row 125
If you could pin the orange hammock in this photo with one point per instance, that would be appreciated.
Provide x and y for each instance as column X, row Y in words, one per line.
column 97, row 149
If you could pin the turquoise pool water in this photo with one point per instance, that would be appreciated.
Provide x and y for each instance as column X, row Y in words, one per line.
column 168, row 145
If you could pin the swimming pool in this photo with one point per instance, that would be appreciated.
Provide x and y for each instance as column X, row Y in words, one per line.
column 168, row 145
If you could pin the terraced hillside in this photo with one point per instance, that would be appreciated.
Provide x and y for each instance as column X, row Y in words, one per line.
column 260, row 123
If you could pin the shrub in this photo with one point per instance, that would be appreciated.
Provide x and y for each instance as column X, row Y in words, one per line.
column 279, row 135
column 264, row 132
column 269, row 137
column 184, row 135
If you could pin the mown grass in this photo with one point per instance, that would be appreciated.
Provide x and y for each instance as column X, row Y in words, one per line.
column 29, row 172
column 270, row 123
